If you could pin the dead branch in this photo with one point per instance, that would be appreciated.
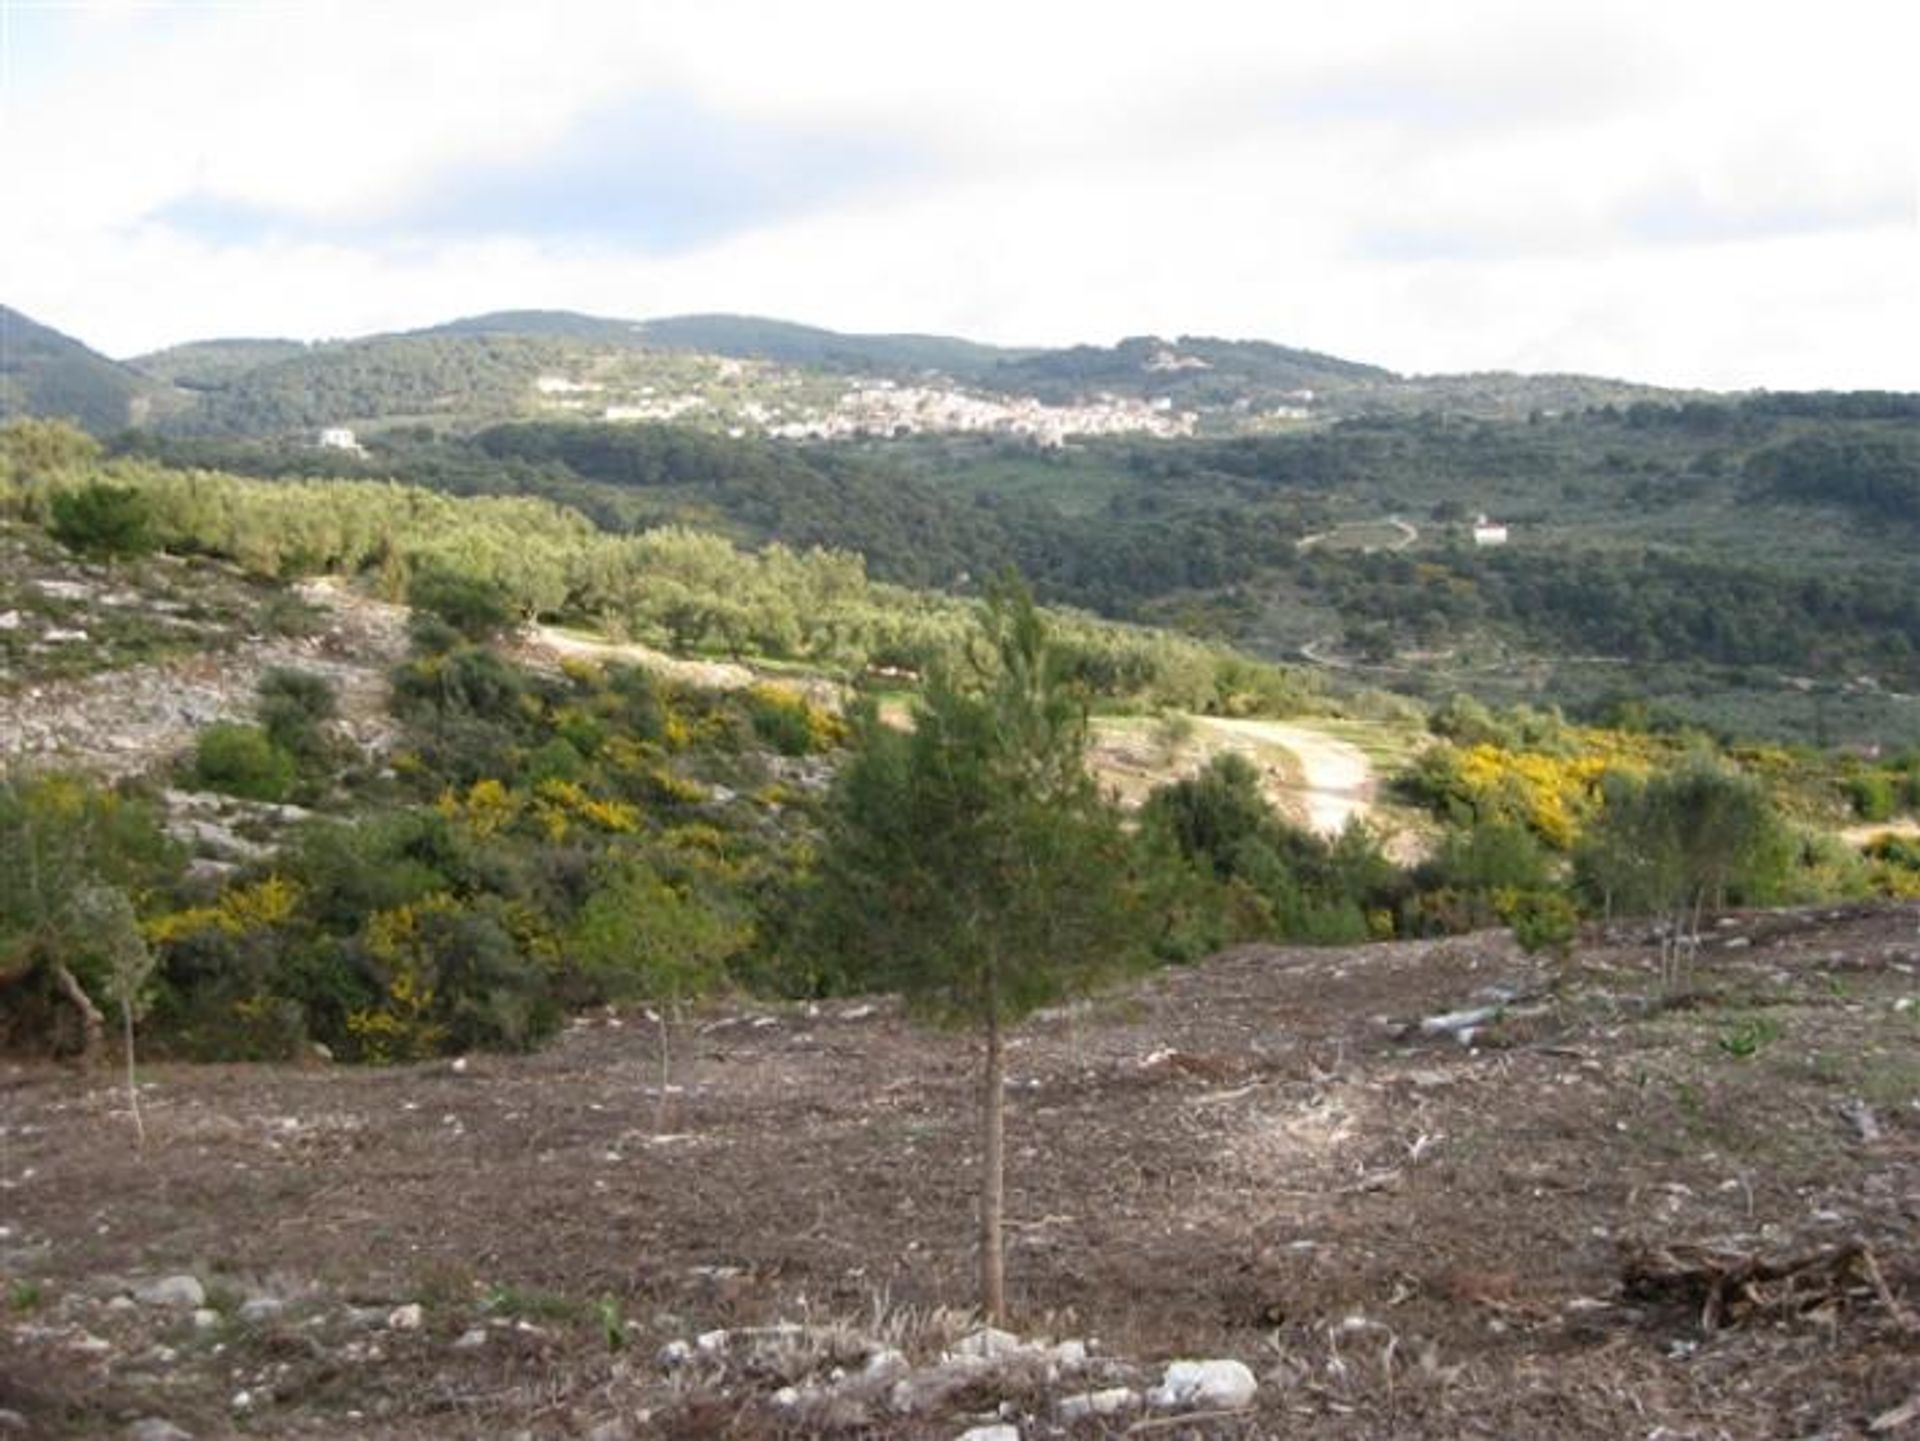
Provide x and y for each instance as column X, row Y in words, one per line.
column 1729, row 1287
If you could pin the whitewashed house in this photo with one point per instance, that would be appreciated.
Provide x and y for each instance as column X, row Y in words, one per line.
column 1485, row 532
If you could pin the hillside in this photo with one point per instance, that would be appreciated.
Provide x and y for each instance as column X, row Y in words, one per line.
column 210, row 364
column 737, row 373
column 752, row 337
column 546, row 324
column 507, row 900
column 1599, row 1212
column 390, row 380
column 1739, row 564
column 45, row 373
column 1193, row 370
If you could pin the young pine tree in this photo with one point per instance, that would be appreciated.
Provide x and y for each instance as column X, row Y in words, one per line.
column 973, row 865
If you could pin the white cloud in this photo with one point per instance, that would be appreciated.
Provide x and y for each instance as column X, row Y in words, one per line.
column 1696, row 193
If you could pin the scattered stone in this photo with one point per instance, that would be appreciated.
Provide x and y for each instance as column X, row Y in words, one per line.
column 183, row 1292
column 409, row 1317
column 13, row 1423
column 257, row 1309
column 674, row 1353
column 9, row 620
column 988, row 1344
column 1204, row 1385
column 205, row 1319
column 1461, row 1025
column 999, row 1431
column 471, row 1340
column 156, row 1428
column 242, row 1401
column 614, row 1430
column 1860, row 1115
column 1110, row 1402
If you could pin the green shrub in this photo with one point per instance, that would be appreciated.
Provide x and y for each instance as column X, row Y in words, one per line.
column 470, row 681
column 67, row 843
column 1543, row 921
column 241, row 760
column 1873, row 795
column 98, row 519
column 384, row 862
column 1492, row 855
column 1212, row 814
column 475, row 608
column 448, row 977
column 294, row 706
column 781, row 721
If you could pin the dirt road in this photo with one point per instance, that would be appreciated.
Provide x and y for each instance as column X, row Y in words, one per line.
column 1336, row 779
column 703, row 674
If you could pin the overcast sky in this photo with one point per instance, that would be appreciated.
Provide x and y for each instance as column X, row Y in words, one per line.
column 1697, row 194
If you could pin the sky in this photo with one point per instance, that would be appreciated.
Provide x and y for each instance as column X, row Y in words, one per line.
column 1687, row 193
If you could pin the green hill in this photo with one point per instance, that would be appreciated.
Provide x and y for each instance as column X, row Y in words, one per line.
column 211, row 364
column 453, row 379
column 542, row 324
column 782, row 341
column 45, row 373
column 480, row 370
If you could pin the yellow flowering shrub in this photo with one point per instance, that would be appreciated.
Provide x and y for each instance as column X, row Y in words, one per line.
column 401, row 1026
column 239, row 911
column 487, row 809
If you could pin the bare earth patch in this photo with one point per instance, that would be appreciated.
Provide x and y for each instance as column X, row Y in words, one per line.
column 1614, row 1213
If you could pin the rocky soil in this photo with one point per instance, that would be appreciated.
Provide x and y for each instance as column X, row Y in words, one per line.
column 1425, row 1189
column 124, row 719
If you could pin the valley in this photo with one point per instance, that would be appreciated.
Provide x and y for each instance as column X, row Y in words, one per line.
column 462, row 979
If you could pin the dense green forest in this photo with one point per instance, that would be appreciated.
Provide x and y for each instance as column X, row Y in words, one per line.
column 391, row 377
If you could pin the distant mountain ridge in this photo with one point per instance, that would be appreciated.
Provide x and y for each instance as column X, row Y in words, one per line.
column 43, row 372
column 482, row 369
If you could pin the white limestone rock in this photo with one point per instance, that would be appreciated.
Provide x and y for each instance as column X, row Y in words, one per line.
column 182, row 1293
column 1204, row 1385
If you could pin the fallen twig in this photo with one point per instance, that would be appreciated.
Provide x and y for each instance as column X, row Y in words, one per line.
column 1893, row 1420
column 1877, row 1279
column 1183, row 1418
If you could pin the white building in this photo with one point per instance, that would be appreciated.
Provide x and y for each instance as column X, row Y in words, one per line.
column 1485, row 532
column 338, row 437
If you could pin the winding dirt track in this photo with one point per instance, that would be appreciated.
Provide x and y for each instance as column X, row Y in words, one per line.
column 1337, row 780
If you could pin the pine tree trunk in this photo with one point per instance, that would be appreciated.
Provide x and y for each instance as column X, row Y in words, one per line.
column 993, row 1156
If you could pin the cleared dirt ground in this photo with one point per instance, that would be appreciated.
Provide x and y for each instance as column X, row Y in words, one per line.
column 1263, row 1157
